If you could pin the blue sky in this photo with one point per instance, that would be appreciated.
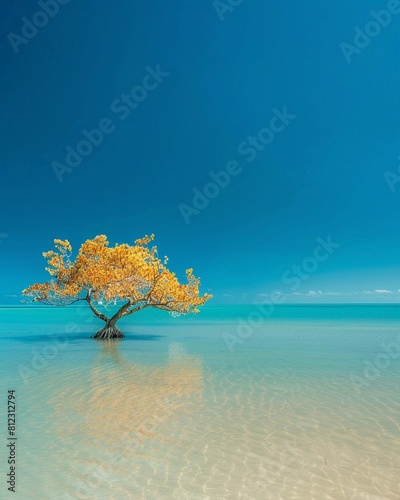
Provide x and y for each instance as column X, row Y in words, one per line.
column 214, row 86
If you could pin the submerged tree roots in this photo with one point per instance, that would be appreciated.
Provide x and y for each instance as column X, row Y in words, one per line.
column 109, row 332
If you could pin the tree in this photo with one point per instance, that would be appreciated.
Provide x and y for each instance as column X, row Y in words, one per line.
column 133, row 274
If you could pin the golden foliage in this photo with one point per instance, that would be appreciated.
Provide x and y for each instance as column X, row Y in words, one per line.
column 132, row 273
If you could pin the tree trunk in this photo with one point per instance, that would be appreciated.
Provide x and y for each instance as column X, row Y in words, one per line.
column 109, row 331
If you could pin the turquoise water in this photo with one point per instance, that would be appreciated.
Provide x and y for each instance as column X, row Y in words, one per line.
column 236, row 402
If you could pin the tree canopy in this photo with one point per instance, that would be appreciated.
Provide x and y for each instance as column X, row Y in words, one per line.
column 132, row 273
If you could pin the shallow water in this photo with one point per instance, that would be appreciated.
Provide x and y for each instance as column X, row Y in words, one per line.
column 303, row 405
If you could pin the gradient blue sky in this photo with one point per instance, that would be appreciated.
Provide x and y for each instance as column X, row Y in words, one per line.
column 323, row 175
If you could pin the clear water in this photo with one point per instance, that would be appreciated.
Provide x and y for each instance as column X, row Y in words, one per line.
column 303, row 404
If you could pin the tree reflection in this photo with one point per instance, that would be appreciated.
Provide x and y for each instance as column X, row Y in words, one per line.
column 125, row 406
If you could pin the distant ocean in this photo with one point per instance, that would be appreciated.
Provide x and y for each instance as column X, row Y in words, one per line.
column 231, row 403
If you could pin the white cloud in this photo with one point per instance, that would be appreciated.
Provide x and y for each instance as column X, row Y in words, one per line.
column 275, row 292
column 313, row 293
column 321, row 293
